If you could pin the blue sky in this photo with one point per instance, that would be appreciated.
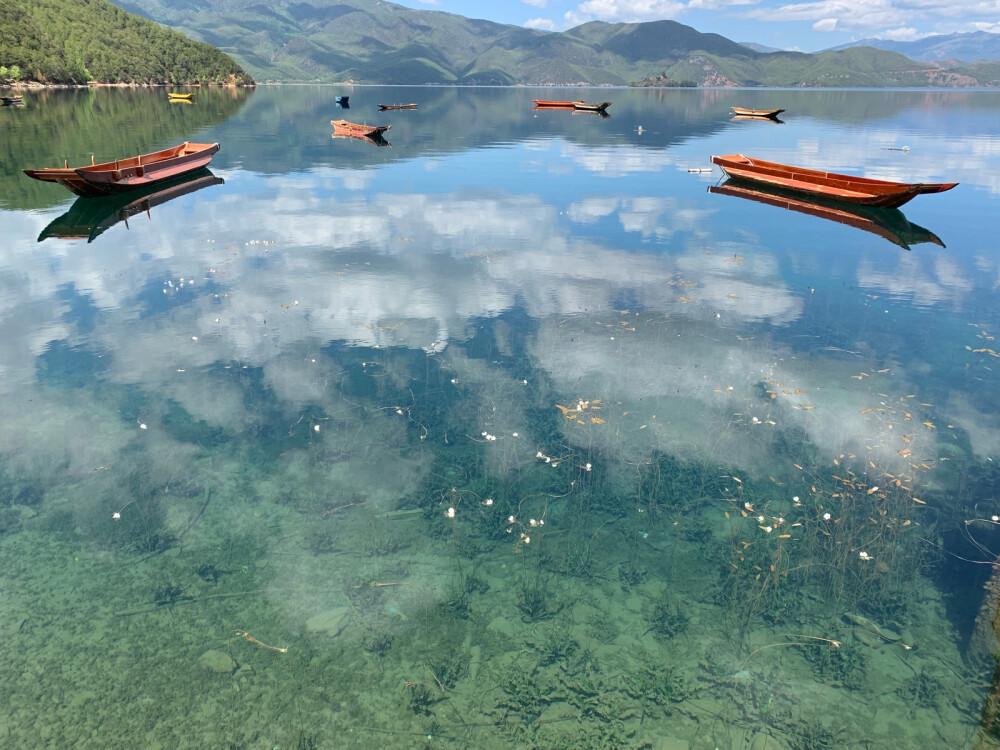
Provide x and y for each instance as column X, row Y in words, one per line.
column 804, row 25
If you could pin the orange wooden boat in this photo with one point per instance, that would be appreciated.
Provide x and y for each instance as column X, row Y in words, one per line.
column 352, row 129
column 889, row 223
column 743, row 111
column 586, row 106
column 123, row 175
column 862, row 191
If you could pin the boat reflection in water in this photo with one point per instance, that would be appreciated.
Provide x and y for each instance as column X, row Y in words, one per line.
column 575, row 111
column 889, row 223
column 88, row 218
column 375, row 138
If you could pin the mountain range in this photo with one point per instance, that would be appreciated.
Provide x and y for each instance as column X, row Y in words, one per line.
column 971, row 47
column 376, row 42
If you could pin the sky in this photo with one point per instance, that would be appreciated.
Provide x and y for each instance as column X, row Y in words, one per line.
column 803, row 25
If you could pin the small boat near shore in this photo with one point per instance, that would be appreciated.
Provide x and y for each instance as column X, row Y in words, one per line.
column 744, row 112
column 123, row 175
column 384, row 107
column 863, row 191
column 178, row 96
column 353, row 129
column 8, row 100
column 889, row 223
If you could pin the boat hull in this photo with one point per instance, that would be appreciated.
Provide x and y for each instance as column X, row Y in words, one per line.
column 135, row 173
column 756, row 112
column 384, row 107
column 352, row 129
column 585, row 106
column 862, row 191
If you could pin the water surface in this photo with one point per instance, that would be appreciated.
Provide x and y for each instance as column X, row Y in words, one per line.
column 507, row 433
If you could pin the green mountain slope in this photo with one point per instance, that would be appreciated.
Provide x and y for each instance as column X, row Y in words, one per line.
column 76, row 41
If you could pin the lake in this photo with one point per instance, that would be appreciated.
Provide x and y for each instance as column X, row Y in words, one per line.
column 520, row 429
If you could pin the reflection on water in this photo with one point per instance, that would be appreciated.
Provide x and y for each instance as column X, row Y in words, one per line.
column 89, row 217
column 512, row 435
column 889, row 223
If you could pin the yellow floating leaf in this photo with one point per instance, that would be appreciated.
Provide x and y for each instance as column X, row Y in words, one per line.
column 929, row 425
column 904, row 438
column 784, row 536
column 918, row 500
column 865, row 411
column 596, row 420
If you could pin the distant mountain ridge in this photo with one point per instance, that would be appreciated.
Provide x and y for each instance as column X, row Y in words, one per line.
column 372, row 41
column 970, row 46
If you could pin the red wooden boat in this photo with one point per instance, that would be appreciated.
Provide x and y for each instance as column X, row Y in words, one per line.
column 842, row 187
column 123, row 175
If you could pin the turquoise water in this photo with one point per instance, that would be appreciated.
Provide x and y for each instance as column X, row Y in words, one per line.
column 510, row 433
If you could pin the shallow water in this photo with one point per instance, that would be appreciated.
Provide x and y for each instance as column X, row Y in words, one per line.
column 510, row 433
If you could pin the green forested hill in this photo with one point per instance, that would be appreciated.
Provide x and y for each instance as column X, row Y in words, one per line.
column 76, row 41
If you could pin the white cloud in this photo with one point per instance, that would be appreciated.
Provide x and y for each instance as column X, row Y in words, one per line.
column 841, row 15
column 542, row 24
column 903, row 34
column 624, row 11
column 537, row 3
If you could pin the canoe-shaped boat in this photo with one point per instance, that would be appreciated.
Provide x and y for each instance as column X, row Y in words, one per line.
column 583, row 106
column 88, row 218
column 123, row 175
column 345, row 128
column 384, row 107
column 889, row 223
column 589, row 107
column 756, row 112
column 183, row 97
column 10, row 100
column 862, row 191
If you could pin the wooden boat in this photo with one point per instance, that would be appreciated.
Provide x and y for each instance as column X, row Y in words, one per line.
column 842, row 187
column 384, row 107
column 345, row 128
column 756, row 112
column 182, row 97
column 123, row 175
column 586, row 106
column 888, row 223
column 88, row 218
column 583, row 106
column 10, row 100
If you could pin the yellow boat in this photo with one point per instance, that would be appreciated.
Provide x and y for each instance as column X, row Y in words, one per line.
column 180, row 97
